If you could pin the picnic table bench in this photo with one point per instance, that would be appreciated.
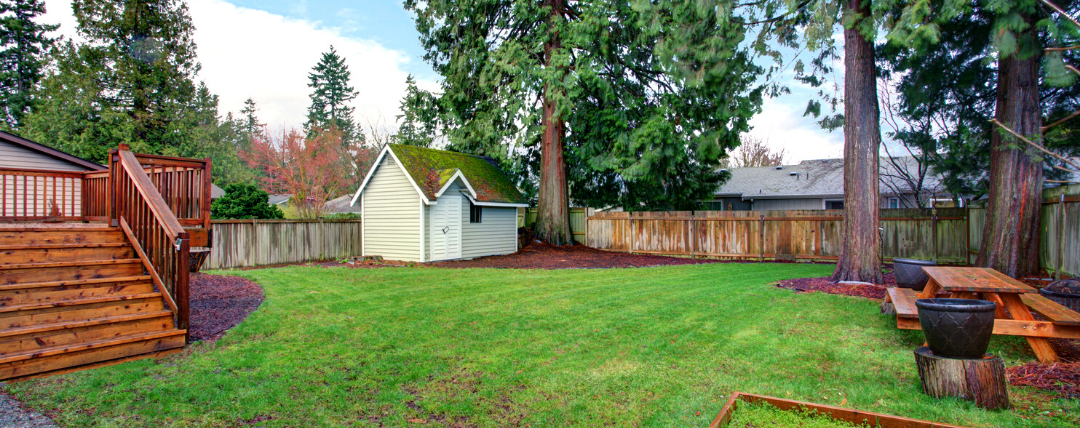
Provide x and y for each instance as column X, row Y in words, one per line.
column 1015, row 303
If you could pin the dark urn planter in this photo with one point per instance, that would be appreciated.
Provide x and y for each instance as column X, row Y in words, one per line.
column 909, row 273
column 957, row 328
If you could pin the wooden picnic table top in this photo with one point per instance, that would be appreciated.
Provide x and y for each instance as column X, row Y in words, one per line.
column 975, row 279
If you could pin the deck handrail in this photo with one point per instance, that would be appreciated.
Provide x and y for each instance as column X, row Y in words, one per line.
column 137, row 203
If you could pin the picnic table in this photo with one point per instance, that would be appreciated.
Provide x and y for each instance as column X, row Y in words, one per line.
column 1016, row 303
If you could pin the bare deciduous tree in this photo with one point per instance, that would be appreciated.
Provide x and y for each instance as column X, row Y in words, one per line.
column 754, row 152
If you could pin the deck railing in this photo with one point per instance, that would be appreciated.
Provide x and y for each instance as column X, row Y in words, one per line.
column 143, row 213
column 35, row 195
column 185, row 184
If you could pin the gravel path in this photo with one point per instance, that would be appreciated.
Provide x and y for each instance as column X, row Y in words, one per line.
column 13, row 415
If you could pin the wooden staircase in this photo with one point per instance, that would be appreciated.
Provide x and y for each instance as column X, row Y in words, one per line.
column 78, row 297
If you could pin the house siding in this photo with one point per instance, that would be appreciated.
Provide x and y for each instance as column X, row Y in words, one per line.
column 495, row 234
column 391, row 215
column 788, row 204
column 14, row 156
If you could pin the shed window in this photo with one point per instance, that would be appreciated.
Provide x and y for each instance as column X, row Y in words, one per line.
column 894, row 203
column 475, row 212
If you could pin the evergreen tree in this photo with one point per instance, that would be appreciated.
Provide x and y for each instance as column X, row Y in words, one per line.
column 610, row 102
column 419, row 118
column 251, row 124
column 23, row 45
column 1020, row 30
column 331, row 93
column 133, row 78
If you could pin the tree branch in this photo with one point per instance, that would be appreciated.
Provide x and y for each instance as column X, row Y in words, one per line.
column 1060, row 121
column 1062, row 12
column 1036, row 145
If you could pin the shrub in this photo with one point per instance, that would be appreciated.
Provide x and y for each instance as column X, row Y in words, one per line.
column 244, row 201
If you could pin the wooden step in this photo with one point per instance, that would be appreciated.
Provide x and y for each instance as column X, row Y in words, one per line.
column 66, row 357
column 74, row 283
column 80, row 312
column 71, row 333
column 50, row 253
column 67, row 293
column 1050, row 309
column 68, row 271
column 54, row 235
column 77, row 302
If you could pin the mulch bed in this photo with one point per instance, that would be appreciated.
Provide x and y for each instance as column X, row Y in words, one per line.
column 219, row 303
column 1062, row 379
column 824, row 285
column 543, row 256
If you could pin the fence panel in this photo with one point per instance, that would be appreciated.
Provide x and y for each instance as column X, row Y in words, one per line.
column 249, row 243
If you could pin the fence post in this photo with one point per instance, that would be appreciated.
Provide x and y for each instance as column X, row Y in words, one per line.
column 933, row 231
column 967, row 235
column 633, row 236
column 1061, row 237
column 693, row 235
column 761, row 228
column 254, row 242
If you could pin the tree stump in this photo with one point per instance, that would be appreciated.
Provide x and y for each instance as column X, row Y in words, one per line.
column 979, row 380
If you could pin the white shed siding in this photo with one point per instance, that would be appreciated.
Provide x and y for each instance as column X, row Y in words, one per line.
column 391, row 215
column 495, row 234
column 14, row 156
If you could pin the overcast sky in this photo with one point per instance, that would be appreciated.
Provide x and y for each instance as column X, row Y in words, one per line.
column 265, row 50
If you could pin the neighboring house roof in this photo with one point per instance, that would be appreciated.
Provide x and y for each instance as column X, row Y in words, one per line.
column 341, row 204
column 277, row 199
column 431, row 171
column 216, row 192
column 49, row 151
column 818, row 178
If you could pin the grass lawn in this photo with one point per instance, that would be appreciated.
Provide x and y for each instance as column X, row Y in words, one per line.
column 401, row 347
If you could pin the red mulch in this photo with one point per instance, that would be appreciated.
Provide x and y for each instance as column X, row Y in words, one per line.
column 219, row 303
column 544, row 256
column 824, row 285
column 1060, row 378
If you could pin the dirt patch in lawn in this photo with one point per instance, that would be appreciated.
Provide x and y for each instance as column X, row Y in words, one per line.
column 544, row 256
column 219, row 303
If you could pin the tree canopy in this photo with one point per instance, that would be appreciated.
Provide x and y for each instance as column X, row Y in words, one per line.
column 650, row 95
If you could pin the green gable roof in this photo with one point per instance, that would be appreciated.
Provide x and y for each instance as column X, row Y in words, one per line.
column 430, row 169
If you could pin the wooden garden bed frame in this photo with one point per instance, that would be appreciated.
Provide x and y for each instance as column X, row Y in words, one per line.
column 856, row 417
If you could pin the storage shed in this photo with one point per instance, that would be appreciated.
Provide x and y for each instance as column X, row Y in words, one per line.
column 428, row 205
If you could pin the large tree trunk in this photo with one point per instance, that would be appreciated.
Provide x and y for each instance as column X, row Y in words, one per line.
column 553, row 205
column 860, row 246
column 1010, row 241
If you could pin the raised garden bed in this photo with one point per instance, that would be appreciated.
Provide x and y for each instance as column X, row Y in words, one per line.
column 763, row 409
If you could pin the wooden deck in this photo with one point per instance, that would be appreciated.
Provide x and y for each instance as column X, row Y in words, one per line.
column 94, row 265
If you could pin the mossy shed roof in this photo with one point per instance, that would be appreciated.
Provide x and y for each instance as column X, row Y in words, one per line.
column 431, row 169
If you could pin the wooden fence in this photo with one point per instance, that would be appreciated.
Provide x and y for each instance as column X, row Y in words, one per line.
column 784, row 235
column 578, row 219
column 250, row 243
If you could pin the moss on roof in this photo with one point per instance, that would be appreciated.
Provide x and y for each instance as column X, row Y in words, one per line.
column 431, row 169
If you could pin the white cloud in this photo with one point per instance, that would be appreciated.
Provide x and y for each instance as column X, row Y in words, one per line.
column 252, row 53
column 784, row 127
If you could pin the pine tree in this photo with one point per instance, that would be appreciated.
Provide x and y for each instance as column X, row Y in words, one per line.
column 251, row 122
column 22, row 58
column 132, row 81
column 331, row 93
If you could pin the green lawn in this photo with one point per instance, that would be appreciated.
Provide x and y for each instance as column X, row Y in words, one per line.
column 492, row 348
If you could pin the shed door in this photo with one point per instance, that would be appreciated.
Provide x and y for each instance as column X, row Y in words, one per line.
column 446, row 228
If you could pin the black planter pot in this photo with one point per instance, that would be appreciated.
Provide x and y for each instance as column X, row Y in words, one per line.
column 909, row 273
column 957, row 328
